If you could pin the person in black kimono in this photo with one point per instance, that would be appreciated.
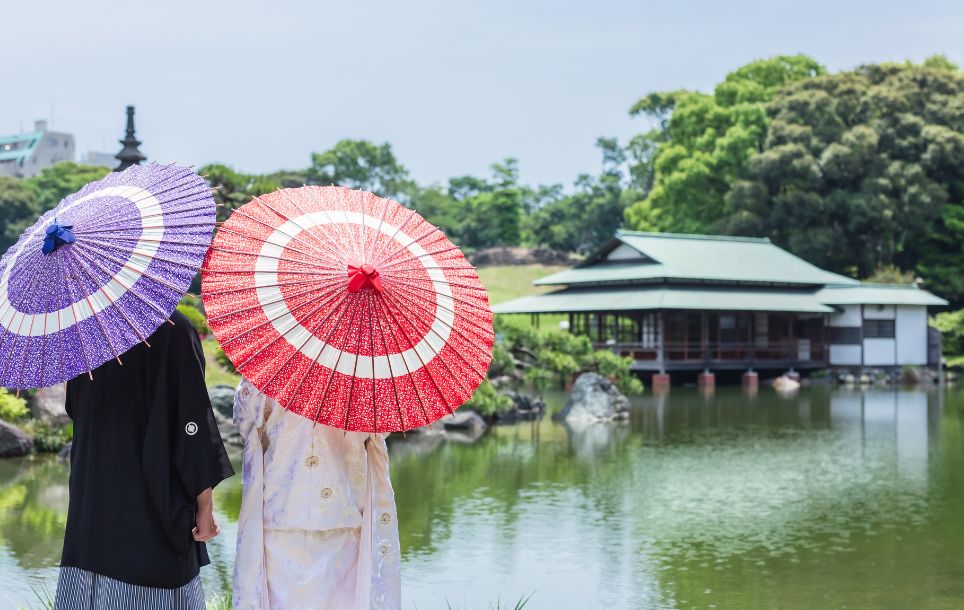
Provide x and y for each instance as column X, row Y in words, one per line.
column 145, row 457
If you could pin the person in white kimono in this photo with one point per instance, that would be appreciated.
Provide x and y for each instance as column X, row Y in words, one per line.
column 318, row 526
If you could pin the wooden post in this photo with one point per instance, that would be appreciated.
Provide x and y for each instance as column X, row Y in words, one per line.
column 704, row 337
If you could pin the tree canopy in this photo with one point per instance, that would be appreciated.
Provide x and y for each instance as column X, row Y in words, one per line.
column 861, row 170
column 854, row 171
column 360, row 164
column 703, row 142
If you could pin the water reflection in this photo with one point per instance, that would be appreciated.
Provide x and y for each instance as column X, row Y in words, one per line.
column 819, row 499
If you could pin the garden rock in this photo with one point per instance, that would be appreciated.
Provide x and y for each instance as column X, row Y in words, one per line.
column 48, row 404
column 14, row 442
column 595, row 398
column 230, row 433
column 504, row 255
column 463, row 419
column 524, row 408
column 222, row 399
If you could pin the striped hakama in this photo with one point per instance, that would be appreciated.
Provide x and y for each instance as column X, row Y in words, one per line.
column 82, row 590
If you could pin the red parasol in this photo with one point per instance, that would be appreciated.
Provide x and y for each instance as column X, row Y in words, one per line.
column 348, row 308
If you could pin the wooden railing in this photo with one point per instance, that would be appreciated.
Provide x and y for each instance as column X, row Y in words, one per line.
column 797, row 350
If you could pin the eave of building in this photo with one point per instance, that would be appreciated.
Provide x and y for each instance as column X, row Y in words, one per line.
column 879, row 294
column 665, row 296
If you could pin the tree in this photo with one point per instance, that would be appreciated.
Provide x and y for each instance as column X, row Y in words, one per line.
column 861, row 170
column 233, row 189
column 360, row 164
column 591, row 215
column 490, row 211
column 19, row 209
column 54, row 183
column 439, row 208
column 702, row 143
column 23, row 201
column 492, row 219
column 942, row 256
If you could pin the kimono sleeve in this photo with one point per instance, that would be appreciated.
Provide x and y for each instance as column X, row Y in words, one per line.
column 199, row 457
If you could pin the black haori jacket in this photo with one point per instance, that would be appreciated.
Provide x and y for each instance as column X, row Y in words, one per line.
column 145, row 445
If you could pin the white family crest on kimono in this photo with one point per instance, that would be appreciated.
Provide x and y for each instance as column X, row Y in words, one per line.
column 318, row 526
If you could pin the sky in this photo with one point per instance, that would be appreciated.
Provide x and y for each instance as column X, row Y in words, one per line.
column 453, row 85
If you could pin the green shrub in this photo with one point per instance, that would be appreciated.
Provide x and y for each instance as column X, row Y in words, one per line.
column 951, row 325
column 196, row 318
column 12, row 407
column 48, row 438
column 617, row 368
column 502, row 362
column 224, row 361
column 556, row 356
column 193, row 301
column 487, row 401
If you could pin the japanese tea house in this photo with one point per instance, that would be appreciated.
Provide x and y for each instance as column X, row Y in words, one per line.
column 711, row 303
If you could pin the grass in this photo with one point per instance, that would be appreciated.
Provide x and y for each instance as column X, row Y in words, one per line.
column 498, row 605
column 955, row 360
column 219, row 602
column 507, row 282
column 214, row 373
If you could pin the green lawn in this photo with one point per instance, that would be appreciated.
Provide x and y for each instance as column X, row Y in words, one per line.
column 214, row 372
column 507, row 282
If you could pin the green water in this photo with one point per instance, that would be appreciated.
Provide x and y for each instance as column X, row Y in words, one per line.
column 826, row 499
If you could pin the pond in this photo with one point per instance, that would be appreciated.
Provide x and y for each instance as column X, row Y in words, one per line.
column 824, row 499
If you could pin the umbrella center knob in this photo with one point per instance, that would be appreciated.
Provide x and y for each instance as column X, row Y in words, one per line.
column 363, row 275
column 57, row 235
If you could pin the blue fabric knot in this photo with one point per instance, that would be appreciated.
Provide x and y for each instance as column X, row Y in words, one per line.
column 58, row 235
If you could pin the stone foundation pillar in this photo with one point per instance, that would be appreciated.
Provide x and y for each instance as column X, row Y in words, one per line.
column 660, row 382
column 706, row 380
column 751, row 380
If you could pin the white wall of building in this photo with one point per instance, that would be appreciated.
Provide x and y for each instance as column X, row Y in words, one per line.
column 851, row 354
column 879, row 312
column 880, row 352
column 52, row 148
column 908, row 346
column 622, row 252
column 845, row 355
column 850, row 316
column 912, row 334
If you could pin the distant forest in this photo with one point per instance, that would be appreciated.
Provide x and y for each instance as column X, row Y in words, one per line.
column 860, row 172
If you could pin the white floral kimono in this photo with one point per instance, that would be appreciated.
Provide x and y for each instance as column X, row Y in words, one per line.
column 318, row 528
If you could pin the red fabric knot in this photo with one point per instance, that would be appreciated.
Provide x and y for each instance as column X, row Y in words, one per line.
column 363, row 276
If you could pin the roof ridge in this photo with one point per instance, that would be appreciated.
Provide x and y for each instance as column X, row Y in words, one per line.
column 756, row 240
column 903, row 286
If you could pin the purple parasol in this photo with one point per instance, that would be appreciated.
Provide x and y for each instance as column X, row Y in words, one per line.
column 100, row 272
